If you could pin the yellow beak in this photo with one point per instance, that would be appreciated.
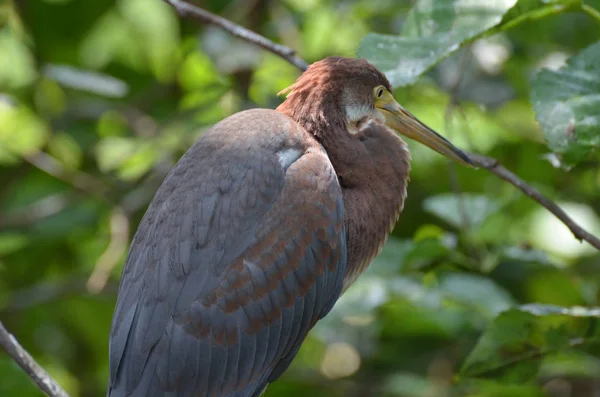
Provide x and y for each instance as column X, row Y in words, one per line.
column 401, row 121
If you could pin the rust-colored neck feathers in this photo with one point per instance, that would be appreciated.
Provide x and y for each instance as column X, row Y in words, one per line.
column 372, row 163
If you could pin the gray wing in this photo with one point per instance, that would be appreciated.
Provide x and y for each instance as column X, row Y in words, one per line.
column 242, row 250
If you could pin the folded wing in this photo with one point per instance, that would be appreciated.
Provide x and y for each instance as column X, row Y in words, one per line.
column 240, row 253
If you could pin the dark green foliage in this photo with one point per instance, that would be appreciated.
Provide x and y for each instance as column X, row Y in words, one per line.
column 480, row 292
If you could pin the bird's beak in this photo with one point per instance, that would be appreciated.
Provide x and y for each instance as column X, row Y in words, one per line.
column 401, row 121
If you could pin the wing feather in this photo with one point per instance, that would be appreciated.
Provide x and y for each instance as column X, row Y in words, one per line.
column 232, row 265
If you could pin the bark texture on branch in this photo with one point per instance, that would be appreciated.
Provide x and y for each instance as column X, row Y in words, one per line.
column 29, row 365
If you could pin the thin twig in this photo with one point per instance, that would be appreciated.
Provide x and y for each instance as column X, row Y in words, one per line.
column 38, row 210
column 496, row 168
column 526, row 356
column 485, row 162
column 188, row 10
column 119, row 239
column 465, row 221
column 591, row 11
column 48, row 292
column 29, row 365
column 79, row 179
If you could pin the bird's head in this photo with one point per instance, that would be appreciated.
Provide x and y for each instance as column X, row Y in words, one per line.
column 348, row 93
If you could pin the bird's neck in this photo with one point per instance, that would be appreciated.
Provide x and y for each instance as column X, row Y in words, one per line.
column 369, row 219
column 374, row 182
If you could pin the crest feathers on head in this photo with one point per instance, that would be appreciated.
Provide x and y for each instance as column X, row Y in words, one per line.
column 287, row 90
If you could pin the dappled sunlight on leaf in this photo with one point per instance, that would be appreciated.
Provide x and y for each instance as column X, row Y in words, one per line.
column 22, row 132
column 468, row 210
column 552, row 235
column 66, row 150
column 432, row 31
column 17, row 68
column 480, row 293
column 111, row 39
column 512, row 348
column 130, row 157
column 566, row 101
column 272, row 76
column 156, row 30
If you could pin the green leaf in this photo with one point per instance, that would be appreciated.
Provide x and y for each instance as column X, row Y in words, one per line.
column 566, row 102
column 21, row 132
column 432, row 31
column 139, row 163
column 424, row 253
column 156, row 28
column 451, row 208
column 513, row 347
column 130, row 157
column 478, row 292
column 111, row 152
column 197, row 73
column 50, row 99
column 570, row 363
column 532, row 10
column 526, row 255
column 64, row 148
column 112, row 39
column 112, row 124
column 508, row 349
column 391, row 259
column 17, row 66
column 11, row 242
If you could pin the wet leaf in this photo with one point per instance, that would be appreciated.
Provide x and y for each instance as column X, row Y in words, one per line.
column 566, row 102
column 432, row 31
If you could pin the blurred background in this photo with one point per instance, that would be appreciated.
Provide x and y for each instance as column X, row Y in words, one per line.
column 98, row 99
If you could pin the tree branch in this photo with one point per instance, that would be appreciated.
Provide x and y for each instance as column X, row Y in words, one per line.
column 119, row 240
column 527, row 356
column 496, row 168
column 29, row 365
column 80, row 180
column 48, row 292
column 186, row 9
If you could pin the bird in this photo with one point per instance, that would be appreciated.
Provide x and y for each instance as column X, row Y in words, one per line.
column 258, row 230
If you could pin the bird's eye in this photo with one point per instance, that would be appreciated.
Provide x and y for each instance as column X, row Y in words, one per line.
column 379, row 92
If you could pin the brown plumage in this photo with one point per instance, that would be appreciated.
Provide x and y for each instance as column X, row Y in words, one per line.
column 256, row 232
column 372, row 204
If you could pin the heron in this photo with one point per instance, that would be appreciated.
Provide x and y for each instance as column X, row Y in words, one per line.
column 258, row 230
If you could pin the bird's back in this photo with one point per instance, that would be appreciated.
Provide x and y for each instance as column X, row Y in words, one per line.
column 240, row 252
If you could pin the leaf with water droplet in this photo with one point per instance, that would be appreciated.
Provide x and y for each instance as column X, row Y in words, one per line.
column 435, row 29
column 566, row 102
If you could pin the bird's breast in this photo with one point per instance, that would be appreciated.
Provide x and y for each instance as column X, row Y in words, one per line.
column 371, row 213
column 372, row 245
